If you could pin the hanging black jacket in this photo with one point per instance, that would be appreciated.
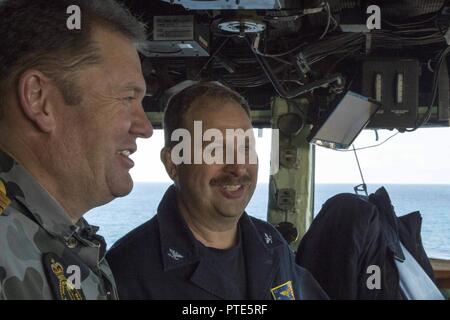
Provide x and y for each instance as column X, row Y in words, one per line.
column 162, row 260
column 351, row 233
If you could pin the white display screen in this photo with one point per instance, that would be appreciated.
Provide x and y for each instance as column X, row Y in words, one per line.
column 346, row 121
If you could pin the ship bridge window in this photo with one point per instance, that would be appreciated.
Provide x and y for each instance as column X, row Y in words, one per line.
column 413, row 167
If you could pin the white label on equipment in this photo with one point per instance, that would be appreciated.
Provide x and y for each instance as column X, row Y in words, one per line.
column 173, row 28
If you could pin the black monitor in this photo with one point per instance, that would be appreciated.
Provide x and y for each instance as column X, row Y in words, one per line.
column 345, row 122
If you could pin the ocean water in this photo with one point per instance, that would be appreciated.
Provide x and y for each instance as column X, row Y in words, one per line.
column 433, row 201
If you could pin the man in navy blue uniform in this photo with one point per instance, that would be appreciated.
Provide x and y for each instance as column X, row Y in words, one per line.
column 201, row 244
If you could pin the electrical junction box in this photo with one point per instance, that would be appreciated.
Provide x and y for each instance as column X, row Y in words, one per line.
column 177, row 36
column 395, row 84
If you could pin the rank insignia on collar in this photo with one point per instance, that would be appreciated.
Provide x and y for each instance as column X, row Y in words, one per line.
column 4, row 200
column 268, row 238
column 174, row 255
column 61, row 286
column 283, row 292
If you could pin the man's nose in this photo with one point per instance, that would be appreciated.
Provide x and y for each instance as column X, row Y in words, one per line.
column 141, row 127
column 235, row 169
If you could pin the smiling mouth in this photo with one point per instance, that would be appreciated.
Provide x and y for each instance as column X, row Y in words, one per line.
column 125, row 153
column 232, row 191
column 232, row 188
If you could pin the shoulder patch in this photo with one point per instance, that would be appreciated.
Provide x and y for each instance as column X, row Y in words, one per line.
column 62, row 288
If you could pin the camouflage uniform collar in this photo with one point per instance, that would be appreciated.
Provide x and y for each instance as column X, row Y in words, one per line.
column 24, row 188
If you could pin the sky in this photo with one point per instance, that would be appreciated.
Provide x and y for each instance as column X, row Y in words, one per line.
column 420, row 157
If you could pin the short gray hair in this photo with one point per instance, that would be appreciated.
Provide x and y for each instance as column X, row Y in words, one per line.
column 34, row 34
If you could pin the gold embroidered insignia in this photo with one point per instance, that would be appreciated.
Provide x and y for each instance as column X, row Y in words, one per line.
column 283, row 292
column 4, row 200
column 62, row 287
column 66, row 289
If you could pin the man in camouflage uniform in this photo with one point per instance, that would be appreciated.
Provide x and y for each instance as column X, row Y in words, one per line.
column 70, row 114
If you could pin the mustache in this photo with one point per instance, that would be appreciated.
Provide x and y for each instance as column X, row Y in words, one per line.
column 230, row 180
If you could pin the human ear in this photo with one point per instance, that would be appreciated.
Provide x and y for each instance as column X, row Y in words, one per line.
column 171, row 168
column 33, row 91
